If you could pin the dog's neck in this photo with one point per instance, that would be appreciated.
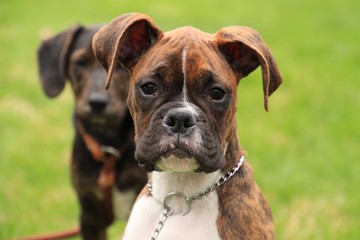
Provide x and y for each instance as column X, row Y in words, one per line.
column 189, row 183
column 233, row 151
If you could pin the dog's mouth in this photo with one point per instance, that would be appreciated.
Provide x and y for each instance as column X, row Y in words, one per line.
column 174, row 156
column 98, row 120
column 176, row 152
column 177, row 159
column 174, row 163
column 100, row 123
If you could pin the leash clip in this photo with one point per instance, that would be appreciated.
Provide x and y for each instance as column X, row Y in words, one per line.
column 108, row 150
column 177, row 195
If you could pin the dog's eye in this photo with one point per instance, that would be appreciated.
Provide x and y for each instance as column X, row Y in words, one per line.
column 148, row 88
column 82, row 62
column 216, row 93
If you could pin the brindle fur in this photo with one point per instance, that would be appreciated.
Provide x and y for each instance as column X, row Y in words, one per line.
column 222, row 58
column 104, row 116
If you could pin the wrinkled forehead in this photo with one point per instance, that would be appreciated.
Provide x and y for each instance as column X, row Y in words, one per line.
column 186, row 50
column 188, row 36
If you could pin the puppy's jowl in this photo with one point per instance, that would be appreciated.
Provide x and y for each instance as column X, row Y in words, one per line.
column 103, row 149
column 182, row 98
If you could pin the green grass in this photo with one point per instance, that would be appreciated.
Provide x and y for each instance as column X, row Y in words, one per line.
column 305, row 151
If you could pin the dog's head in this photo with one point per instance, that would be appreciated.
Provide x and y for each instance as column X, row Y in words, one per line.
column 183, row 85
column 69, row 55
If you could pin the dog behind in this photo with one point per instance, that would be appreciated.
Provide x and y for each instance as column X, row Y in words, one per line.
column 103, row 147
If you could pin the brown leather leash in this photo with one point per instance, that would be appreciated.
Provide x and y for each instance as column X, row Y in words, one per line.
column 108, row 156
column 54, row 236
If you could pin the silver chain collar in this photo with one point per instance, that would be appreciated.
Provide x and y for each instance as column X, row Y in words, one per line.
column 188, row 200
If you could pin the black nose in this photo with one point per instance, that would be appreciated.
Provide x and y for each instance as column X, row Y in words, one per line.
column 180, row 120
column 98, row 102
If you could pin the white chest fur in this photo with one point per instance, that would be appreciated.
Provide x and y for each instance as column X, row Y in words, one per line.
column 123, row 203
column 199, row 223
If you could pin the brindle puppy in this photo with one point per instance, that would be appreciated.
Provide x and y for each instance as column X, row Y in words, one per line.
column 101, row 116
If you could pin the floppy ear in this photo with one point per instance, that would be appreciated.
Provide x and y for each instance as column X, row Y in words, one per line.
column 245, row 50
column 52, row 59
column 124, row 40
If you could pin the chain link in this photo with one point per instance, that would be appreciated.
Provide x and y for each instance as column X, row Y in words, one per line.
column 220, row 182
column 160, row 224
column 167, row 210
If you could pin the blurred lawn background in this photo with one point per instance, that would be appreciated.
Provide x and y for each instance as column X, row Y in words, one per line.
column 305, row 151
